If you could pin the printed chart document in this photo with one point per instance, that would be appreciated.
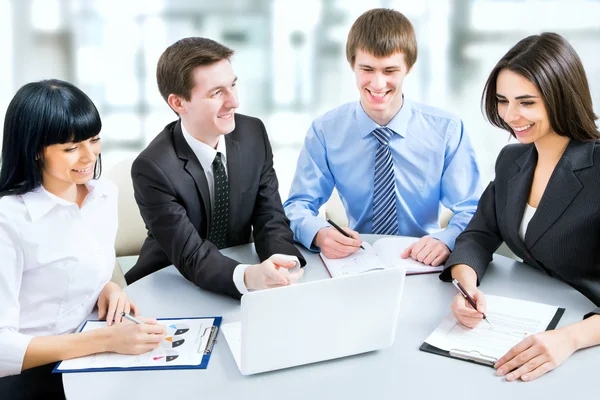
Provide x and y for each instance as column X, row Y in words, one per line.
column 384, row 253
column 512, row 321
column 187, row 344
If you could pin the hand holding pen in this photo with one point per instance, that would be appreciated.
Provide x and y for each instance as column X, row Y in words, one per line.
column 143, row 335
column 337, row 242
column 343, row 232
column 470, row 317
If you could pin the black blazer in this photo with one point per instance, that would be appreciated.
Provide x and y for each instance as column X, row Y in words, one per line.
column 562, row 238
column 172, row 193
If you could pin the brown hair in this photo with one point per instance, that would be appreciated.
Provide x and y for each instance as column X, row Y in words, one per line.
column 174, row 72
column 382, row 32
column 553, row 66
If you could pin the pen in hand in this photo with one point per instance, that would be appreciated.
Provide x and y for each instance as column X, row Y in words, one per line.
column 467, row 296
column 340, row 230
column 129, row 317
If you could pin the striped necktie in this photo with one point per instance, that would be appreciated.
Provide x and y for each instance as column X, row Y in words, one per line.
column 385, row 220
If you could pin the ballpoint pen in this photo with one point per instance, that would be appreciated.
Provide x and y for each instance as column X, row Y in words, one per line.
column 467, row 296
column 132, row 319
column 340, row 230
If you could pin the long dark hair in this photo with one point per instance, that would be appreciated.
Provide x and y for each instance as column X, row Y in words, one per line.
column 551, row 64
column 40, row 115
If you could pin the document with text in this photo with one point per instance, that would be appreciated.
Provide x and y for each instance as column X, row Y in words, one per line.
column 384, row 253
column 511, row 320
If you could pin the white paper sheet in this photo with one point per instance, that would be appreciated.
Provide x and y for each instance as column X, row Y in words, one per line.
column 385, row 253
column 184, row 344
column 361, row 261
column 390, row 249
column 513, row 320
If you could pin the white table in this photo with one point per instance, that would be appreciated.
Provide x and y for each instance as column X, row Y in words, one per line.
column 400, row 372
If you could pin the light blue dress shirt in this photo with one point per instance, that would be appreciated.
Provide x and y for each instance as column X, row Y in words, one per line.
column 433, row 162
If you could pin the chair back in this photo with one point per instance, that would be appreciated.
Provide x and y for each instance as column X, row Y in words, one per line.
column 132, row 230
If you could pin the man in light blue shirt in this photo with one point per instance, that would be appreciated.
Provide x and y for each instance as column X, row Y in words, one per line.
column 425, row 158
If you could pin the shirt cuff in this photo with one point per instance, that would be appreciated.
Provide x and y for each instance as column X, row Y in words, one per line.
column 12, row 351
column 448, row 236
column 309, row 229
column 238, row 278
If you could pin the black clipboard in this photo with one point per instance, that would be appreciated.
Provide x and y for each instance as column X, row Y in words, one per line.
column 476, row 357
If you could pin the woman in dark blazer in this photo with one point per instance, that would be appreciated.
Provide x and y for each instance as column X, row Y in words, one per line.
column 543, row 201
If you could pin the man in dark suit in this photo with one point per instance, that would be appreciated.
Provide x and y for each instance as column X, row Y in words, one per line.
column 207, row 181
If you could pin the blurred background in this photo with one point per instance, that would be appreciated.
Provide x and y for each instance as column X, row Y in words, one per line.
column 290, row 58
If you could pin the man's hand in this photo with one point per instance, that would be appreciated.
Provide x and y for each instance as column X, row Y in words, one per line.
column 428, row 250
column 335, row 245
column 273, row 272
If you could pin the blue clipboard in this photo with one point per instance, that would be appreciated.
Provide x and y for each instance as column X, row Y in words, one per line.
column 212, row 331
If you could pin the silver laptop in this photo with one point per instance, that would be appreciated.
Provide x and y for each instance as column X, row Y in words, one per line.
column 316, row 321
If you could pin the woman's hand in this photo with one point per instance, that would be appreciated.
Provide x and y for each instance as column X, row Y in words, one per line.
column 464, row 313
column 112, row 301
column 132, row 338
column 536, row 355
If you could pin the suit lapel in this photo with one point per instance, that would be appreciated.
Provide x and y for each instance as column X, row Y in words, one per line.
column 234, row 168
column 519, row 187
column 562, row 188
column 193, row 167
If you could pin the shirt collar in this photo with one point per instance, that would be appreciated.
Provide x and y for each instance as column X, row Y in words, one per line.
column 204, row 153
column 39, row 201
column 398, row 124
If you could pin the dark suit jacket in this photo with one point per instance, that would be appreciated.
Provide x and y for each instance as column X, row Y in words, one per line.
column 562, row 238
column 172, row 193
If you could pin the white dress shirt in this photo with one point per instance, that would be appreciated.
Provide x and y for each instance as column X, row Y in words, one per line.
column 206, row 156
column 55, row 260
column 527, row 215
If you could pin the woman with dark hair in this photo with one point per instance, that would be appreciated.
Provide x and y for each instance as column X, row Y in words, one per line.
column 543, row 202
column 58, row 223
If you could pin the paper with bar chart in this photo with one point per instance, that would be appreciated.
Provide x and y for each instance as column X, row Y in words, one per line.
column 186, row 344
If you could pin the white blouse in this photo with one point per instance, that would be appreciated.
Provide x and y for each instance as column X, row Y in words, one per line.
column 55, row 258
column 527, row 215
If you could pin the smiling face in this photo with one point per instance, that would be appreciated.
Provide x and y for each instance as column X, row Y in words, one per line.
column 379, row 81
column 69, row 164
column 209, row 113
column 521, row 106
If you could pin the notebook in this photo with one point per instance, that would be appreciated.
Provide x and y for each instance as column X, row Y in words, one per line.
column 383, row 254
column 316, row 321
column 511, row 320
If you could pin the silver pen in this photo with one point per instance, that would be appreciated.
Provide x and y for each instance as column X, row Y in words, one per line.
column 132, row 319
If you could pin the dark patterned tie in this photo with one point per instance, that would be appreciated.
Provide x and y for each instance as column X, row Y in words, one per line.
column 218, row 227
column 385, row 220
